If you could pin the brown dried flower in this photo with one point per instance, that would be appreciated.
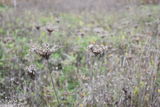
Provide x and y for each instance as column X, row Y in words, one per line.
column 37, row 26
column 32, row 71
column 97, row 49
column 50, row 29
column 45, row 51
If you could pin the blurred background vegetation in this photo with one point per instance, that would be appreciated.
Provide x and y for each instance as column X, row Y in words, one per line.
column 80, row 53
column 78, row 5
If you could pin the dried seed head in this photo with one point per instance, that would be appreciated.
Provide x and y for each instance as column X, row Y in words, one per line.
column 37, row 27
column 50, row 29
column 32, row 71
column 90, row 46
column 45, row 51
column 97, row 49
column 81, row 34
column 57, row 20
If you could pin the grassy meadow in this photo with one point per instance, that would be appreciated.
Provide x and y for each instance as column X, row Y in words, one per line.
column 87, row 59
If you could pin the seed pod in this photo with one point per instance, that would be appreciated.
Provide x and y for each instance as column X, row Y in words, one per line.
column 50, row 29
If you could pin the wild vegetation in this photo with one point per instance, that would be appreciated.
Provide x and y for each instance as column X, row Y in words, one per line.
column 89, row 59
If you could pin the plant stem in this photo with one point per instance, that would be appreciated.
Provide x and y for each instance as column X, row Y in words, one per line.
column 53, row 83
column 54, row 89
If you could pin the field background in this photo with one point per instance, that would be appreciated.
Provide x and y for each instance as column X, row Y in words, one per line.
column 80, row 53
